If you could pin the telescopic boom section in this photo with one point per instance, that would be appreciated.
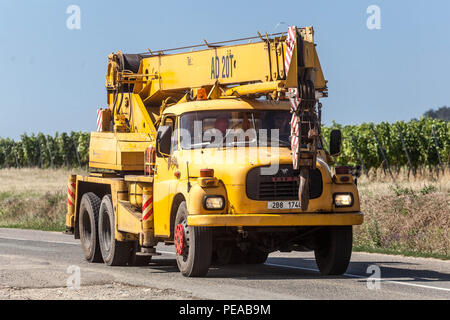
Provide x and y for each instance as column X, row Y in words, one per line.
column 251, row 69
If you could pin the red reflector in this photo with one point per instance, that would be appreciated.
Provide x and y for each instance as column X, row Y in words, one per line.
column 344, row 179
column 204, row 173
column 342, row 170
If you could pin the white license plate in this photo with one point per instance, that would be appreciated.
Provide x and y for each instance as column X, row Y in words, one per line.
column 283, row 205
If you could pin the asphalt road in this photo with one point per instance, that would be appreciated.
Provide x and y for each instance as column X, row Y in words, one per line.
column 37, row 265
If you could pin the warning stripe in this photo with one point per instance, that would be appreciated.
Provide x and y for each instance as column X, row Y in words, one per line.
column 71, row 193
column 147, row 208
column 99, row 120
column 290, row 45
column 148, row 215
column 293, row 97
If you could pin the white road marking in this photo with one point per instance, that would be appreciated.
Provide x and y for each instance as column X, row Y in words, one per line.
column 290, row 267
column 268, row 264
column 47, row 241
column 167, row 252
column 363, row 277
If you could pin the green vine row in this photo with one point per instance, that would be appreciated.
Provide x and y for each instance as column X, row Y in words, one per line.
column 425, row 141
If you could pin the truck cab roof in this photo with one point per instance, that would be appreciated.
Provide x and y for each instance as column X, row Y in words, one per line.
column 227, row 104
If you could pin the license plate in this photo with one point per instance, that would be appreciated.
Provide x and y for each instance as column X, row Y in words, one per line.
column 283, row 205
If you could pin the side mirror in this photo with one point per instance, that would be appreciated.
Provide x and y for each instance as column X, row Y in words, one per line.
column 335, row 142
column 163, row 141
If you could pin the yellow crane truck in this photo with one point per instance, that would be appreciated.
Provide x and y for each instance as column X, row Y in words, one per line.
column 216, row 149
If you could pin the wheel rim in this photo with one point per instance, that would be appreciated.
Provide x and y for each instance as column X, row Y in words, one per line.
column 87, row 230
column 181, row 240
column 106, row 231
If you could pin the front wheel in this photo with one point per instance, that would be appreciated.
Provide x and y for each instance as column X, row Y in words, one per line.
column 193, row 246
column 334, row 249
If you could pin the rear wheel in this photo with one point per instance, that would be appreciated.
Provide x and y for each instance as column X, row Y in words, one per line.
column 88, row 220
column 193, row 246
column 114, row 253
column 334, row 250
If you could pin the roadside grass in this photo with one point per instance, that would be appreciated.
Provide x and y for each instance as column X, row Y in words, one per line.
column 406, row 253
column 33, row 210
column 410, row 217
column 34, row 198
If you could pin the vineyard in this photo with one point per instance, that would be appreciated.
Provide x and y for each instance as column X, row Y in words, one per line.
column 45, row 151
column 413, row 144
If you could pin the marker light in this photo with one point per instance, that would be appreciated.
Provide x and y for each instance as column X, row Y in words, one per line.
column 204, row 173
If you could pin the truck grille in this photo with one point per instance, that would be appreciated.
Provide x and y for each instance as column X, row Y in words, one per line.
column 282, row 186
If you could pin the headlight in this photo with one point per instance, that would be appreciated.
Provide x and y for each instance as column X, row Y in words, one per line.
column 213, row 203
column 343, row 199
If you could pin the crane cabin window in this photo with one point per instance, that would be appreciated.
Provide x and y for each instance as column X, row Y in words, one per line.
column 232, row 128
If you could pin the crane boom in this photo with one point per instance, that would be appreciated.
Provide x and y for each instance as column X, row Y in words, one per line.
column 258, row 67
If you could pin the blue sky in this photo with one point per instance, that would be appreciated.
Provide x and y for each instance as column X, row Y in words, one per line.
column 52, row 78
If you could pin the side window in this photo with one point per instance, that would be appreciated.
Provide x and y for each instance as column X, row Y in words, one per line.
column 171, row 121
column 174, row 144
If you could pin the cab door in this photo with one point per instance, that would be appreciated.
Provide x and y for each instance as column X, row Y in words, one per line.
column 163, row 180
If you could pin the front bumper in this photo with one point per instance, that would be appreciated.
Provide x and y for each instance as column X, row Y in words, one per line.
column 280, row 220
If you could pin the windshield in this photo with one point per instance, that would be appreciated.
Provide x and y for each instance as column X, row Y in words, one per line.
column 208, row 129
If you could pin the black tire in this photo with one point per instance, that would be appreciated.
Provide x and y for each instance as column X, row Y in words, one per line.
column 334, row 250
column 88, row 222
column 114, row 253
column 195, row 259
column 255, row 256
